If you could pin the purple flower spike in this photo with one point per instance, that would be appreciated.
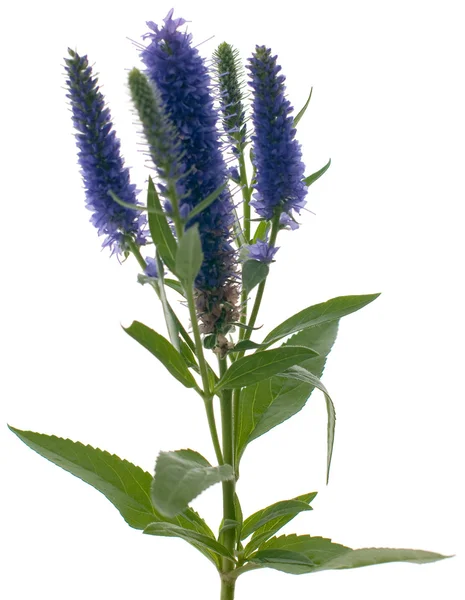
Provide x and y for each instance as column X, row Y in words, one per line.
column 101, row 163
column 262, row 251
column 181, row 78
column 277, row 154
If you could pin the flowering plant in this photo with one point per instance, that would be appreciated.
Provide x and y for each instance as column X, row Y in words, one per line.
column 203, row 241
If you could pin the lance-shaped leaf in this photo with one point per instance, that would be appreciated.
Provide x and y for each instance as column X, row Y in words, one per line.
column 157, row 345
column 196, row 539
column 125, row 485
column 263, row 365
column 266, row 522
column 314, row 176
column 205, row 203
column 325, row 312
column 180, row 477
column 267, row 404
column 160, row 230
column 298, row 554
column 302, row 111
column 301, row 374
column 189, row 255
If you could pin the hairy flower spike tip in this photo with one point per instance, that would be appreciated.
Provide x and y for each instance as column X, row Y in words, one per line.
column 101, row 163
column 277, row 154
column 179, row 73
column 160, row 134
column 228, row 68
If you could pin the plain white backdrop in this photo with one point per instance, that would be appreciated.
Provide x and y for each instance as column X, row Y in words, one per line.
column 388, row 108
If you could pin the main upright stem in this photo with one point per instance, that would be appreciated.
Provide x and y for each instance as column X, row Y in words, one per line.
column 229, row 512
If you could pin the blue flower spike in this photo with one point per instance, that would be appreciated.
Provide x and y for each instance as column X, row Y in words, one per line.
column 277, row 155
column 102, row 166
column 181, row 78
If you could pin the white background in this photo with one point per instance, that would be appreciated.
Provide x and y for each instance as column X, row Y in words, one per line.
column 388, row 108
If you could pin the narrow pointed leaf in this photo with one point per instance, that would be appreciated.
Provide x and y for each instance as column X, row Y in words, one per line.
column 287, row 561
column 205, row 203
column 245, row 345
column 265, row 405
column 260, row 232
column 253, row 273
column 284, row 508
column 175, row 285
column 189, row 256
column 160, row 347
column 263, row 365
column 125, row 485
column 160, row 230
column 194, row 538
column 180, row 477
column 314, row 176
column 302, row 111
column 170, row 318
column 325, row 312
column 301, row 374
column 365, row 557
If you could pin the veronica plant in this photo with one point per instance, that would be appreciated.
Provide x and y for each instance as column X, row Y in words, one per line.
column 217, row 257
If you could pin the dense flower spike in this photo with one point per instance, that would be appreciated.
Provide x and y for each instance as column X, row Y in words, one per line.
column 99, row 156
column 276, row 153
column 180, row 75
column 228, row 73
column 164, row 145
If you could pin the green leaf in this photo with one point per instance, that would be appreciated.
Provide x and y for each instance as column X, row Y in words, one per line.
column 175, row 285
column 253, row 273
column 160, row 230
column 263, row 365
column 180, row 477
column 301, row 374
column 376, row 556
column 301, row 112
column 267, row 404
column 269, row 528
column 314, row 552
column 125, row 485
column 163, row 350
column 260, row 232
column 319, row 313
column 205, row 203
column 170, row 318
column 189, row 256
column 194, row 538
column 322, row 554
column 280, row 509
column 245, row 345
column 314, row 176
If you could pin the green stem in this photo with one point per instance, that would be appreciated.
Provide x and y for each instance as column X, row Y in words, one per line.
column 229, row 511
column 227, row 589
column 213, row 430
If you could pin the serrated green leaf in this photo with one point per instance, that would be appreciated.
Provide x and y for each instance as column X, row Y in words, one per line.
column 160, row 230
column 302, row 111
column 253, row 273
column 325, row 312
column 180, row 477
column 269, row 528
column 194, row 538
column 125, row 485
column 301, row 374
column 189, row 256
column 314, row 176
column 263, row 365
column 160, row 347
column 322, row 554
column 267, row 404
column 277, row 510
